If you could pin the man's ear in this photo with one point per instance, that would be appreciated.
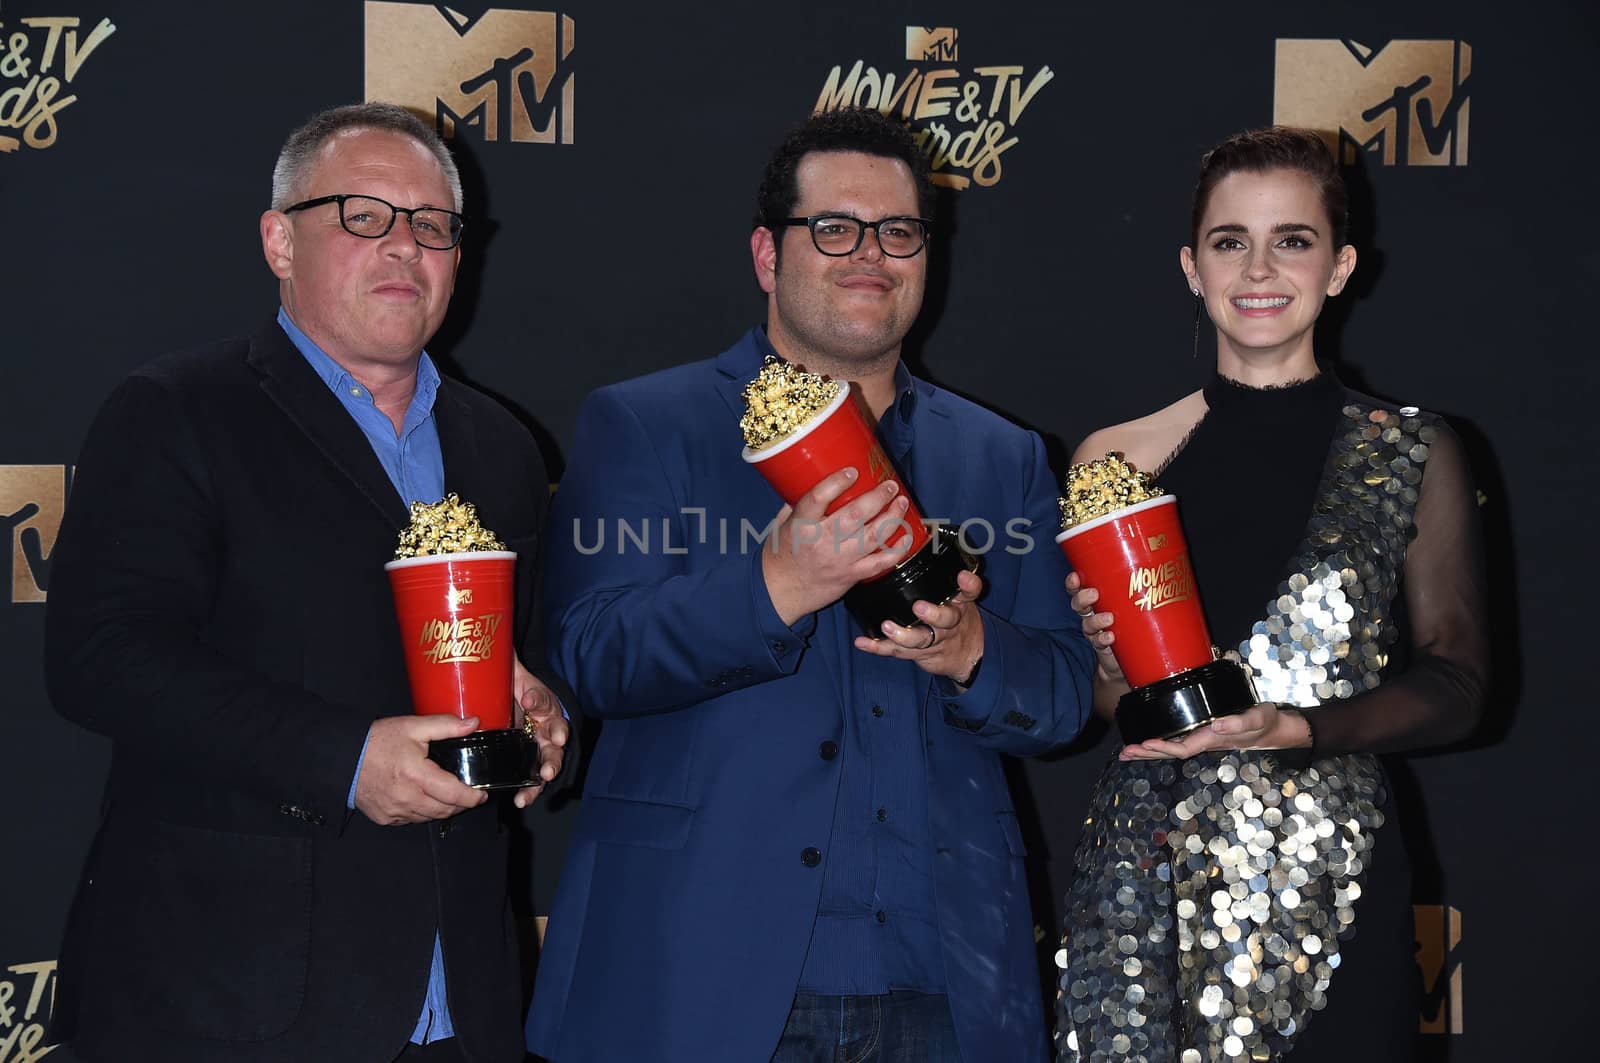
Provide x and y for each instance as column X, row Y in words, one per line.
column 277, row 243
column 764, row 256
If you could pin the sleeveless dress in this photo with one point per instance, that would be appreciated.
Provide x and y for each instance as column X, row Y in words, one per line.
column 1218, row 901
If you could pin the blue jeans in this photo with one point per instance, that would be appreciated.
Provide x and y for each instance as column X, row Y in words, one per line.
column 897, row 1027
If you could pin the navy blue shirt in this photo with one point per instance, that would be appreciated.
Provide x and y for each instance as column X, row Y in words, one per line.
column 877, row 926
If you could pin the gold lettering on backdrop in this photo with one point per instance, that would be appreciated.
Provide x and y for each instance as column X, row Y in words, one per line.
column 32, row 499
column 934, row 44
column 1438, row 935
column 36, row 64
column 463, row 639
column 22, row 1022
column 964, row 120
column 1151, row 587
column 1406, row 102
column 506, row 74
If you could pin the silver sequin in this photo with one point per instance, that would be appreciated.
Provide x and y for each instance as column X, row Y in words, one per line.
column 1254, row 864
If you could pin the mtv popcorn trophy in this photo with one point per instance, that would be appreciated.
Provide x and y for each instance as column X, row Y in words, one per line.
column 452, row 582
column 800, row 428
column 1122, row 532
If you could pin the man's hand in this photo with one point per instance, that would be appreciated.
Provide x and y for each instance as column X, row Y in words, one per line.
column 814, row 556
column 399, row 784
column 539, row 711
column 951, row 643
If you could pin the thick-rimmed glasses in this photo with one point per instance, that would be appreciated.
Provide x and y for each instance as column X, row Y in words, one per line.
column 838, row 235
column 371, row 218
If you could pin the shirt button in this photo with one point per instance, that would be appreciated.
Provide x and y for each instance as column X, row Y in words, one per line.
column 356, row 392
column 882, row 916
column 828, row 750
column 810, row 856
column 883, row 814
column 877, row 710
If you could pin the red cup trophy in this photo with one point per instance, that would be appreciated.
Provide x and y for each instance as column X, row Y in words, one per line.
column 453, row 597
column 800, row 428
column 1121, row 532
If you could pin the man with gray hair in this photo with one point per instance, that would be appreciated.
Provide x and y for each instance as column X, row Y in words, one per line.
column 281, row 873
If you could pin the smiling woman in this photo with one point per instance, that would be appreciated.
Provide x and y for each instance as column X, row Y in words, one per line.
column 1221, row 874
column 1270, row 253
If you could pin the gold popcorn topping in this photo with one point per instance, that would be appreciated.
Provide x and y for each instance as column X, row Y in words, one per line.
column 1103, row 486
column 780, row 400
column 447, row 526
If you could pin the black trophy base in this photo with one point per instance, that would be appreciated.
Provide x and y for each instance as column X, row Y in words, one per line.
column 487, row 760
column 928, row 575
column 1176, row 705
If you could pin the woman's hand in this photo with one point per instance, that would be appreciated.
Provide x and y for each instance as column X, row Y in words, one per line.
column 1096, row 627
column 1263, row 726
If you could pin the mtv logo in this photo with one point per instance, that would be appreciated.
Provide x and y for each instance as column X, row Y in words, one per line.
column 1157, row 542
column 460, row 596
column 507, row 74
column 1438, row 936
column 1405, row 101
column 32, row 499
column 931, row 43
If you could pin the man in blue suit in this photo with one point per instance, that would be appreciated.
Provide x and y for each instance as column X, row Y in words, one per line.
column 796, row 841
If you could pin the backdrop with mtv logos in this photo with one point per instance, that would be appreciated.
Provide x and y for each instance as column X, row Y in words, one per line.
column 611, row 159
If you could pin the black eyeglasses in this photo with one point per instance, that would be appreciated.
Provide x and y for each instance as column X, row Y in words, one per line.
column 838, row 235
column 371, row 218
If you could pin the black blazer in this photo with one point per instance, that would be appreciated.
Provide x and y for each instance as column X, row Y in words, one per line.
column 219, row 609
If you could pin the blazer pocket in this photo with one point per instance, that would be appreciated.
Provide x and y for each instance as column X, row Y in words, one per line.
column 222, row 932
column 1013, row 833
column 649, row 824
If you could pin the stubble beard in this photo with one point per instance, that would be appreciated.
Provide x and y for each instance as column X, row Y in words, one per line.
column 830, row 346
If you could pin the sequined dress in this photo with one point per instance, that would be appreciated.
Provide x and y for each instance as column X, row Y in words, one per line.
column 1255, row 905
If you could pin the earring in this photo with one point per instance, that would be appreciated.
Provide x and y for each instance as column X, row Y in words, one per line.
column 1198, row 302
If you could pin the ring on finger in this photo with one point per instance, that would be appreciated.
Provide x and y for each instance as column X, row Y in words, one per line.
column 933, row 636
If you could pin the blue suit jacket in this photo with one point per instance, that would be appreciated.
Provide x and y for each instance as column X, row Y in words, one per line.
column 686, row 904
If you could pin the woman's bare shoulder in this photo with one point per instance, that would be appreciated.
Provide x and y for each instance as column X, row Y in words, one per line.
column 1146, row 442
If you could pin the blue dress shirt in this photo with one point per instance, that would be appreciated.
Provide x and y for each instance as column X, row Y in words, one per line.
column 415, row 464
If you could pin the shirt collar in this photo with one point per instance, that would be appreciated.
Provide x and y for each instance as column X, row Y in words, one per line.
column 895, row 427
column 905, row 393
column 905, row 389
column 338, row 378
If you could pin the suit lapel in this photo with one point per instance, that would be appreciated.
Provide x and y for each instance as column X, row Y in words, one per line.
column 737, row 366
column 464, row 471
column 939, row 460
column 288, row 379
column 941, row 476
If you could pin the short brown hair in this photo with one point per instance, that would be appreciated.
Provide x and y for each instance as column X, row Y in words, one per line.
column 1275, row 148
